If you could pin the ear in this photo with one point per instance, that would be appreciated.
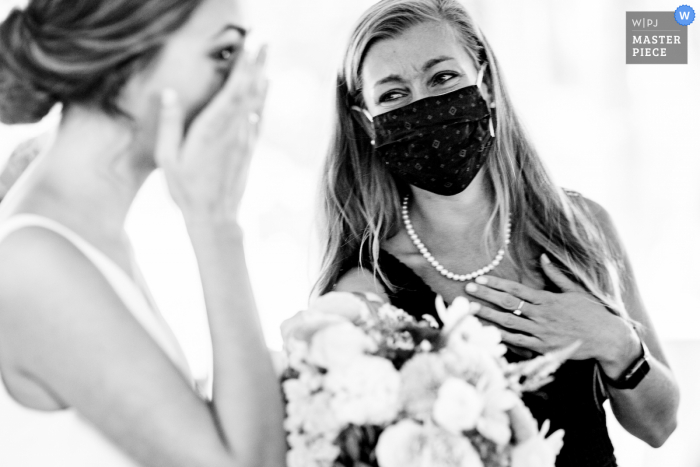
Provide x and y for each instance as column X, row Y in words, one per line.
column 364, row 118
column 484, row 84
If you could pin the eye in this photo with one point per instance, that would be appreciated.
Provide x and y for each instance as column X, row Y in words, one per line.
column 226, row 54
column 443, row 78
column 391, row 96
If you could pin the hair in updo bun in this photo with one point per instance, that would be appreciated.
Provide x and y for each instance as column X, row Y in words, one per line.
column 20, row 100
column 79, row 51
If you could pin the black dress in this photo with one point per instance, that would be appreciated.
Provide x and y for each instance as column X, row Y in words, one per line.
column 572, row 402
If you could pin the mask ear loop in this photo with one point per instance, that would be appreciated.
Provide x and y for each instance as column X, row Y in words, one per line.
column 479, row 80
column 480, row 75
column 369, row 118
column 364, row 111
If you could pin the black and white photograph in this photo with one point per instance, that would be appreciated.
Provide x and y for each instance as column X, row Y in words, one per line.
column 349, row 233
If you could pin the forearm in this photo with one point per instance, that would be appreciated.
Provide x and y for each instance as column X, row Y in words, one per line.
column 649, row 410
column 247, row 399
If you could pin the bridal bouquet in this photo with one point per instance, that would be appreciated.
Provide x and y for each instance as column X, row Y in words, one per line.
column 367, row 385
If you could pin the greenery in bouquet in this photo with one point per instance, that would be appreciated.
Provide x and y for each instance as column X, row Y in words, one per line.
column 366, row 385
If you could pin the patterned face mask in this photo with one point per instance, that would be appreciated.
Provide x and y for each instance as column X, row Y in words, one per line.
column 438, row 143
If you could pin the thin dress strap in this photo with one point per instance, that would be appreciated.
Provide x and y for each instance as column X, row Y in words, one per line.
column 133, row 297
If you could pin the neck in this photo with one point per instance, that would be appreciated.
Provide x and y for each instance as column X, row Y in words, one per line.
column 455, row 217
column 92, row 172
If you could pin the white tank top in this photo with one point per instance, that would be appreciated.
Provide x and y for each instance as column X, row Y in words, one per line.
column 30, row 438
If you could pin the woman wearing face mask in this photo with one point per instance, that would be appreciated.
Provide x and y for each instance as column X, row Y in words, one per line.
column 431, row 187
column 92, row 374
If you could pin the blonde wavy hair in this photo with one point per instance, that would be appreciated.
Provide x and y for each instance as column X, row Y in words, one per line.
column 361, row 200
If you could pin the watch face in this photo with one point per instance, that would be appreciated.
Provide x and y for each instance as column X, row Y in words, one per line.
column 638, row 374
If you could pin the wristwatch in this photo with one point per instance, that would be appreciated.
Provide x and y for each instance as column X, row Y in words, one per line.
column 634, row 374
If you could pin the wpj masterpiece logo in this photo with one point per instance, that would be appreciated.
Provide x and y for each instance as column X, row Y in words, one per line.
column 658, row 37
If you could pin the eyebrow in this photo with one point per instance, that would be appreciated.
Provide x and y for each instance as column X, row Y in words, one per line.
column 427, row 66
column 434, row 61
column 229, row 27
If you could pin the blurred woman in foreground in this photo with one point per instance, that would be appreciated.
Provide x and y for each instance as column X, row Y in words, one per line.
column 87, row 361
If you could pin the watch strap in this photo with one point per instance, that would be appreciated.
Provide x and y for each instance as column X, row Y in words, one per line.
column 634, row 374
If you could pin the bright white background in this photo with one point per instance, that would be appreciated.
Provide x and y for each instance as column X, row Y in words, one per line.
column 623, row 135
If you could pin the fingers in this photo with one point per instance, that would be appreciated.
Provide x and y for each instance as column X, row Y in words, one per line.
column 240, row 102
column 171, row 126
column 501, row 299
column 513, row 288
column 261, row 57
column 521, row 340
column 238, row 97
column 255, row 115
column 474, row 307
column 260, row 87
column 507, row 320
column 246, row 78
column 558, row 277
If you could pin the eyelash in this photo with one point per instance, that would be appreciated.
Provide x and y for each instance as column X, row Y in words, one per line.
column 450, row 75
column 435, row 81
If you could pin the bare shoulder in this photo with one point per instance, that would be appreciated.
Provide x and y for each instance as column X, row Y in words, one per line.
column 48, row 290
column 598, row 212
column 62, row 325
column 595, row 209
column 37, row 264
column 599, row 215
column 361, row 280
column 65, row 331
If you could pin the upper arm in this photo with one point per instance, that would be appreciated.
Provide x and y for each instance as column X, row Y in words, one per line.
column 361, row 280
column 631, row 295
column 62, row 325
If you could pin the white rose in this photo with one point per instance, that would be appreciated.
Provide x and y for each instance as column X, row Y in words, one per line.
column 421, row 378
column 344, row 304
column 470, row 330
column 538, row 451
column 408, row 444
column 401, row 445
column 303, row 325
column 365, row 392
column 458, row 406
column 339, row 344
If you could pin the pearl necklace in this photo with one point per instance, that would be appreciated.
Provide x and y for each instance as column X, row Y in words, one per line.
column 440, row 268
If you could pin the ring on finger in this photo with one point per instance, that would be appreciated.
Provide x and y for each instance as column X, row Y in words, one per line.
column 519, row 311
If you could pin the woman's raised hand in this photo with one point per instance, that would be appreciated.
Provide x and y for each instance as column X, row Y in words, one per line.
column 207, row 168
column 545, row 321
